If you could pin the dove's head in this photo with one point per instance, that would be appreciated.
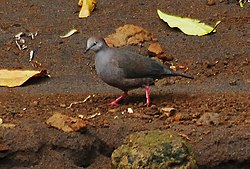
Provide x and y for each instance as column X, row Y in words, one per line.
column 95, row 44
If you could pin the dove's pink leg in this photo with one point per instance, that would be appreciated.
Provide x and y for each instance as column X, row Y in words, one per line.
column 116, row 101
column 147, row 95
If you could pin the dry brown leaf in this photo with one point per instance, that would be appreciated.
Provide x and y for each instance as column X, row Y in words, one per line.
column 4, row 148
column 179, row 67
column 87, row 7
column 247, row 80
column 129, row 35
column 177, row 117
column 155, row 49
column 168, row 111
column 66, row 123
column 7, row 125
column 13, row 78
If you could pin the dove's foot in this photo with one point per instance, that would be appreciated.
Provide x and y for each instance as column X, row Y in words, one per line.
column 116, row 101
column 147, row 89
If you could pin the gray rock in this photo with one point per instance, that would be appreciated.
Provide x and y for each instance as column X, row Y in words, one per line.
column 209, row 119
column 126, row 70
column 153, row 150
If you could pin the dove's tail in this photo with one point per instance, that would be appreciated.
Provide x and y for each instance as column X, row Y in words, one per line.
column 178, row 73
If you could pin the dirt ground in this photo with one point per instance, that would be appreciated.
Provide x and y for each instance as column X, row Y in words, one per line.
column 212, row 111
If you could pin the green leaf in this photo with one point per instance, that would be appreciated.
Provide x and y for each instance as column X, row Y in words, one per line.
column 241, row 4
column 187, row 25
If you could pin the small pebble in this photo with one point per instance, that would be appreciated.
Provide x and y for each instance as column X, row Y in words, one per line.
column 63, row 105
column 34, row 103
column 209, row 119
column 165, row 58
column 130, row 110
column 211, row 2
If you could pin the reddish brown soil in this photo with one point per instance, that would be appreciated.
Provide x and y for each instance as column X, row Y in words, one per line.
column 219, row 62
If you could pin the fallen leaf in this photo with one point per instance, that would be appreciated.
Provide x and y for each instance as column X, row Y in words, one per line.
column 179, row 67
column 13, row 78
column 4, row 151
column 129, row 35
column 66, row 123
column 4, row 148
column 247, row 121
column 187, row 25
column 155, row 49
column 177, row 117
column 242, row 3
column 71, row 32
column 7, row 125
column 87, row 7
column 168, row 110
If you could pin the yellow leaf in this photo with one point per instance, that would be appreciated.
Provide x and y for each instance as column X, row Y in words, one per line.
column 87, row 7
column 187, row 25
column 13, row 78
column 80, row 2
column 71, row 32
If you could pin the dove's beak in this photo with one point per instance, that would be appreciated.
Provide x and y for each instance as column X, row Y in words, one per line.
column 86, row 50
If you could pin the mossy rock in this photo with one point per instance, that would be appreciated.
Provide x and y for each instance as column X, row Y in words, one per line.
column 153, row 150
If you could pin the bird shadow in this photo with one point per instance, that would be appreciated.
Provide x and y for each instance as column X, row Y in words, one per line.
column 156, row 98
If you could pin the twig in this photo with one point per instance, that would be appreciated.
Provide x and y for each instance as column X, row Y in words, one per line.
column 80, row 102
column 184, row 136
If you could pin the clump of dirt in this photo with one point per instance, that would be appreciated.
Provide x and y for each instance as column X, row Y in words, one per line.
column 129, row 35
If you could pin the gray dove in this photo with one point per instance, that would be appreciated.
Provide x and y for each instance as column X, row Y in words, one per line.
column 126, row 70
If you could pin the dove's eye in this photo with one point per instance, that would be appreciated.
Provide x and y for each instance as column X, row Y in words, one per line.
column 95, row 43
